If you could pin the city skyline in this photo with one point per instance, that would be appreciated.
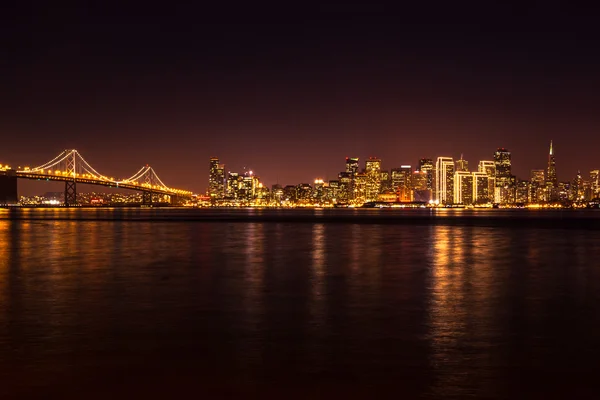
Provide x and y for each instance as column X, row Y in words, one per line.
column 161, row 85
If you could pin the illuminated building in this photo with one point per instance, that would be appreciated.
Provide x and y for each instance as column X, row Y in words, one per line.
column 277, row 194
column 463, row 187
column 577, row 192
column 551, row 179
column 346, row 187
column 595, row 183
column 234, row 185
column 522, row 192
column 461, row 165
column 505, row 181
column 247, row 187
column 318, row 190
column 401, row 183
column 386, row 183
column 334, row 191
column 537, row 186
column 352, row 165
column 360, row 188
column 563, row 192
column 444, row 180
column 489, row 168
column 373, row 171
column 304, row 193
column 481, row 188
column 426, row 165
column 289, row 194
column 216, row 180
column 419, row 186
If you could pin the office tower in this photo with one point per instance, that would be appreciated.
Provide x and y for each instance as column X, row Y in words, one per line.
column 216, row 180
column 386, row 183
column 522, row 191
column 577, row 193
column 277, row 194
column 537, row 187
column 462, row 165
column 360, row 188
column 551, row 178
column 234, row 183
column 401, row 184
column 444, row 180
column 318, row 192
column 563, row 192
column 595, row 183
column 419, row 187
column 489, row 168
column 289, row 194
column 352, row 165
column 247, row 187
column 334, row 190
column 505, row 181
column 463, row 188
column 304, row 193
column 426, row 165
column 346, row 187
column 481, row 188
column 373, row 171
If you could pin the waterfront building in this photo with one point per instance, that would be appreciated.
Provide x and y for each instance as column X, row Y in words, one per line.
column 373, row 172
column 481, row 188
column 216, row 180
column 444, row 180
column 426, row 165
column 463, row 188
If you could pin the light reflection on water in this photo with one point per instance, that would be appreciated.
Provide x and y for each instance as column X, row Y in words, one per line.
column 433, row 310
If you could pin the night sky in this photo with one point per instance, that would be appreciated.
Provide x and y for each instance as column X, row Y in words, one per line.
column 289, row 93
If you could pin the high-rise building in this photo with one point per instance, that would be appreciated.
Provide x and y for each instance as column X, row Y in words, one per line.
column 345, row 187
column 360, row 188
column 595, row 183
column 373, row 171
column 234, row 185
column 551, row 178
column 505, row 181
column 537, row 191
column 386, row 183
column 462, row 165
column 352, row 165
column 216, row 180
column 304, row 193
column 401, row 184
column 489, row 168
column 577, row 190
column 463, row 187
column 522, row 191
column 444, row 180
column 426, row 165
column 319, row 189
column 481, row 188
column 419, row 186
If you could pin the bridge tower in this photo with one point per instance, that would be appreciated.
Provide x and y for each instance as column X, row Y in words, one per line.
column 71, row 185
column 147, row 194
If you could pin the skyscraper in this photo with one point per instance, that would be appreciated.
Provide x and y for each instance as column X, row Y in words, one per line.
column 463, row 188
column 216, row 180
column 595, row 183
column 505, row 181
column 426, row 165
column 537, row 188
column 444, row 180
column 489, row 168
column 551, row 179
column 401, row 183
column 373, row 171
column 462, row 165
column 352, row 165
column 481, row 188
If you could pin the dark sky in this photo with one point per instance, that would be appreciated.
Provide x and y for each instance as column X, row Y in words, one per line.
column 290, row 91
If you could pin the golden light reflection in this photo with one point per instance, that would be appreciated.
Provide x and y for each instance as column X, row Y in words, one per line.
column 318, row 282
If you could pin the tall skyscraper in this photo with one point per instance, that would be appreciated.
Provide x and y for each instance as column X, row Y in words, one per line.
column 462, row 165
column 444, row 180
column 373, row 171
column 401, row 182
column 538, row 186
column 552, row 188
column 419, row 186
column 426, row 165
column 505, row 181
column 463, row 188
column 216, row 180
column 481, row 188
column 489, row 168
column 352, row 165
column 595, row 183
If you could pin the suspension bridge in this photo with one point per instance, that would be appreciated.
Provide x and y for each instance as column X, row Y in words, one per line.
column 71, row 168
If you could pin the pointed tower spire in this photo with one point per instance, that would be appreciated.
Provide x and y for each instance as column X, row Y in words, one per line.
column 551, row 151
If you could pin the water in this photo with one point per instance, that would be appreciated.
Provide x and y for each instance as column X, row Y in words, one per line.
column 338, row 303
